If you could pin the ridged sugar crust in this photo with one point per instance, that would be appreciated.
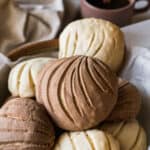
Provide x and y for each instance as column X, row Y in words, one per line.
column 24, row 124
column 128, row 104
column 78, row 92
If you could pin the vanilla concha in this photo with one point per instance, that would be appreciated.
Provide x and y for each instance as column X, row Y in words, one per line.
column 93, row 37
column 130, row 134
column 87, row 140
column 23, row 77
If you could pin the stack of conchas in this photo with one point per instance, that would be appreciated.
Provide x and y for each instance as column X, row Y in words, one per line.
column 79, row 92
column 25, row 124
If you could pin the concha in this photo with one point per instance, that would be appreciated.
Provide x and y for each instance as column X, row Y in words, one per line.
column 25, row 125
column 128, row 104
column 93, row 37
column 130, row 134
column 23, row 77
column 87, row 140
column 78, row 92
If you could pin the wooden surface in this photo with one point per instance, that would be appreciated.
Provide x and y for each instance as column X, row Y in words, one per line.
column 32, row 49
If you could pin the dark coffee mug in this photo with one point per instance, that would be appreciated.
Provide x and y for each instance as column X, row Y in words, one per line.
column 120, row 16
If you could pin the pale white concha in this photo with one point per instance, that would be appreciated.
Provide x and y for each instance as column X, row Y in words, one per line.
column 130, row 134
column 23, row 77
column 93, row 37
column 87, row 140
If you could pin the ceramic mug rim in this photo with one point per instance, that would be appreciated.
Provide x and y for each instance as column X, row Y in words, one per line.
column 131, row 4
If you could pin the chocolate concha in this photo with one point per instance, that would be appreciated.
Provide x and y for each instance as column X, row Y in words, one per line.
column 25, row 125
column 78, row 92
column 130, row 134
column 128, row 104
column 93, row 37
column 23, row 77
column 87, row 140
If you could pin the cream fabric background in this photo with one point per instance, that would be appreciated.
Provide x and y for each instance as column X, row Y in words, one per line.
column 22, row 23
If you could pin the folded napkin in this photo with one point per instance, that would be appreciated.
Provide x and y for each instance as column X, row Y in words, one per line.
column 24, row 21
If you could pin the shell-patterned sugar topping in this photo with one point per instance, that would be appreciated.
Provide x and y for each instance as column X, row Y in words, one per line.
column 78, row 92
column 130, row 134
column 87, row 140
column 128, row 104
column 93, row 37
column 23, row 77
column 24, row 124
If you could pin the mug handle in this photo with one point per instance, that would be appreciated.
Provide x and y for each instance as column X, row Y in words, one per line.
column 145, row 5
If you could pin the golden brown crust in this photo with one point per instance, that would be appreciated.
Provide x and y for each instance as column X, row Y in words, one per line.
column 78, row 92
